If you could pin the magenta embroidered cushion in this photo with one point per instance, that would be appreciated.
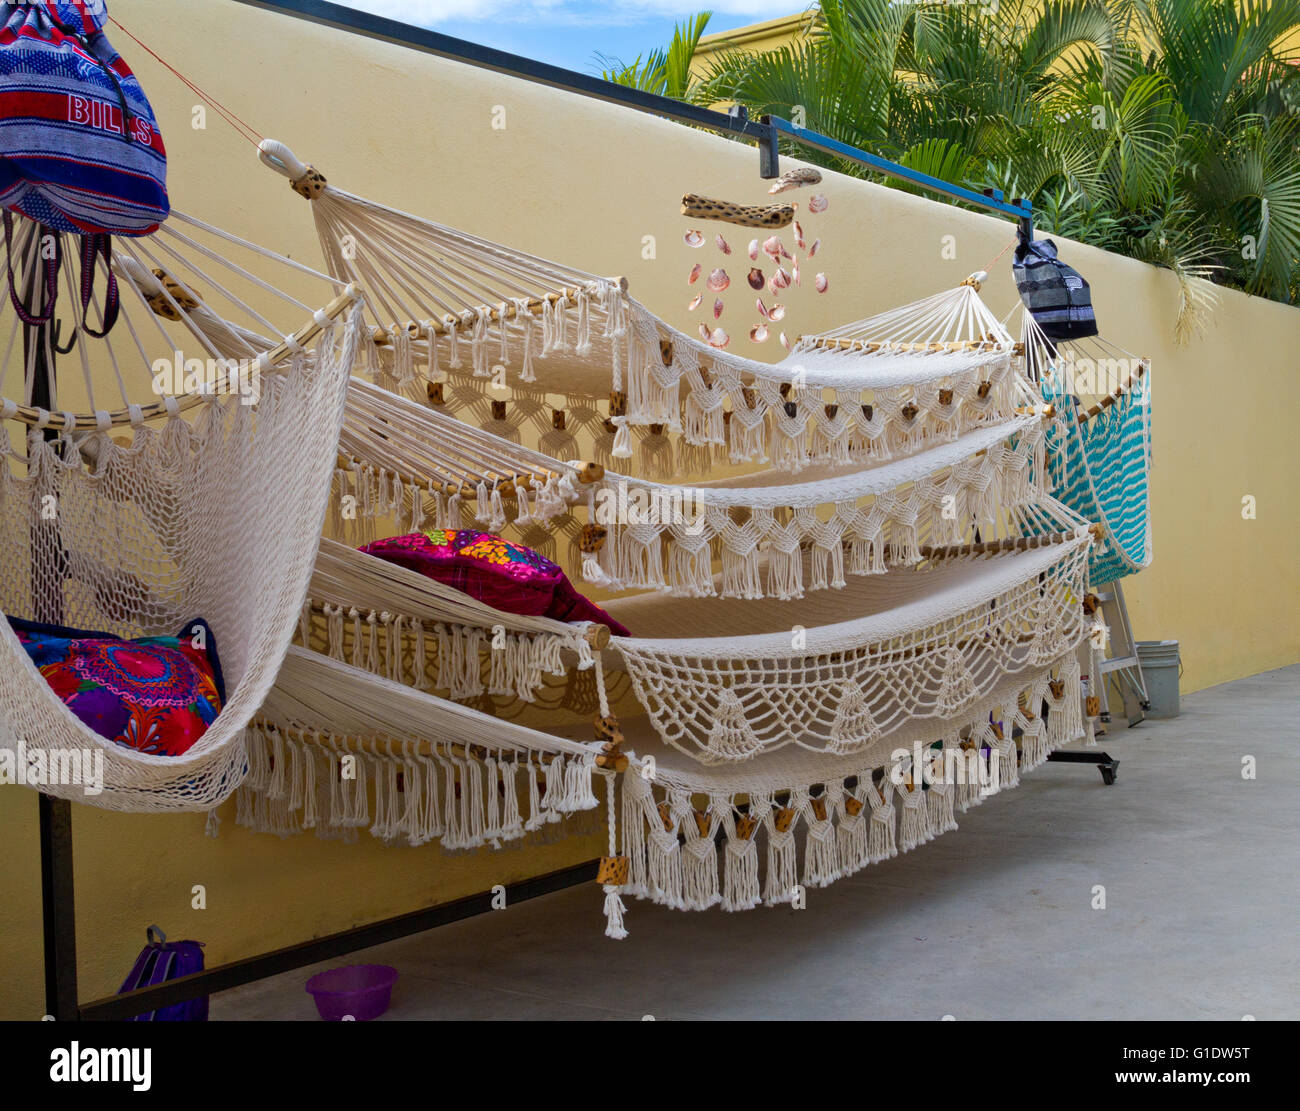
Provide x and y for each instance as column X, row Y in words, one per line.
column 508, row 577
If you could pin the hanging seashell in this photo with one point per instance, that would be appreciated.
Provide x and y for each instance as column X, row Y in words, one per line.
column 794, row 273
column 785, row 342
column 695, row 302
column 776, row 312
column 793, row 179
column 821, row 283
column 762, row 308
column 693, row 238
column 798, row 236
column 719, row 338
column 814, row 248
column 718, row 280
column 781, row 279
column 753, row 250
column 818, row 203
column 758, row 334
column 705, row 333
column 694, row 277
column 755, row 278
column 785, row 253
column 723, row 245
column 772, row 248
column 717, row 308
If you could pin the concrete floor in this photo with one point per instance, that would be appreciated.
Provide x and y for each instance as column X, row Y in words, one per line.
column 1201, row 870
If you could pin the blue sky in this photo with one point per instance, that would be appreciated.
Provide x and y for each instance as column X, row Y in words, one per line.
column 571, row 32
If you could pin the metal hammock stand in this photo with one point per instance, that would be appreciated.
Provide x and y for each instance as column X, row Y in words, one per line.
column 58, row 902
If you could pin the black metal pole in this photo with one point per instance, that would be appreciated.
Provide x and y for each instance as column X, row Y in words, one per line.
column 58, row 902
column 251, row 969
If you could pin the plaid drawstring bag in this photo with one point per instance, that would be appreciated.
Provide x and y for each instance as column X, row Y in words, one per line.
column 1056, row 295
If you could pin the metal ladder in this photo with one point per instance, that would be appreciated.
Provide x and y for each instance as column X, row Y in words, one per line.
column 1120, row 667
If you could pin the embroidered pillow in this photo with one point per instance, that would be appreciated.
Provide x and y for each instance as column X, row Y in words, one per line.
column 155, row 694
column 506, row 576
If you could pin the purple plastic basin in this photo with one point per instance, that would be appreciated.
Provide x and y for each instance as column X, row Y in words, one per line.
column 357, row 991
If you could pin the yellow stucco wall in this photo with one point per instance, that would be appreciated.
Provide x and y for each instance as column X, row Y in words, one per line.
column 584, row 182
column 771, row 34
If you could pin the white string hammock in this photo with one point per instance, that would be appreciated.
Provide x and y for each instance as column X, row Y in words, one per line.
column 208, row 503
column 406, row 461
column 895, row 648
column 882, row 387
column 333, row 738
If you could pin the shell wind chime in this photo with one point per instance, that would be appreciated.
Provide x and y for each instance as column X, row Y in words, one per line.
column 776, row 264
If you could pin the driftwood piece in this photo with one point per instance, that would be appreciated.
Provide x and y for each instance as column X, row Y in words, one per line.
column 745, row 215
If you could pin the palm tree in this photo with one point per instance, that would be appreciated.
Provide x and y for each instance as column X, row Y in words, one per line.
column 666, row 71
column 1161, row 129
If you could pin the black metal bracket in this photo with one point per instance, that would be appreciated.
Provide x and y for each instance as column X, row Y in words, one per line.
column 1106, row 763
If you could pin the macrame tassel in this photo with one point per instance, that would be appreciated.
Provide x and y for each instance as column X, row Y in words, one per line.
column 914, row 826
column 622, row 448
column 478, row 346
column 498, row 520
column 636, row 797
column 1008, row 763
column 512, row 825
column 279, row 765
column 583, row 346
column 704, row 425
column 821, row 862
column 403, row 362
column 553, row 799
column 851, row 835
column 939, row 802
column 528, row 373
column 690, row 567
column 420, row 662
column 595, row 574
column 740, row 887
column 880, row 834
column 614, row 911
column 309, row 802
column 578, row 794
column 639, row 550
column 700, row 864
column 492, row 799
column 664, row 869
column 740, row 577
column 785, row 573
column 827, row 567
column 782, row 867
column 536, row 819
column 477, row 810
column 212, row 826
column 1033, row 743
column 393, row 668
column 451, row 811
column 1070, row 705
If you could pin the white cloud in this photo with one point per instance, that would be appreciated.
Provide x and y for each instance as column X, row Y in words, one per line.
column 430, row 13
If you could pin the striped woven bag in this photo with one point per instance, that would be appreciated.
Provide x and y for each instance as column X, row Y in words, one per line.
column 80, row 150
